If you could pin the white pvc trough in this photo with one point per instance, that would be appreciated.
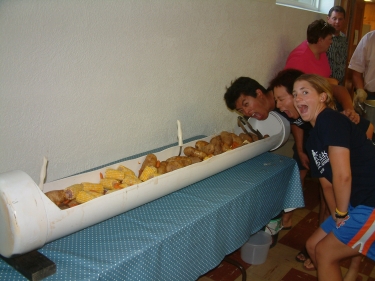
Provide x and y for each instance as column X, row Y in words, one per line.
column 29, row 219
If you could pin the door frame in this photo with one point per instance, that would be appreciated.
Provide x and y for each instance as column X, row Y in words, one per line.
column 355, row 10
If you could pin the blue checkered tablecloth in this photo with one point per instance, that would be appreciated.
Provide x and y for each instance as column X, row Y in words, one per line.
column 182, row 235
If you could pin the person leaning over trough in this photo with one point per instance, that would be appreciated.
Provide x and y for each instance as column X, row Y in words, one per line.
column 282, row 86
column 251, row 99
column 310, row 56
column 343, row 159
column 338, row 51
column 363, row 65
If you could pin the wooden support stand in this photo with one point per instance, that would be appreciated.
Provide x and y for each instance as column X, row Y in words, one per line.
column 33, row 265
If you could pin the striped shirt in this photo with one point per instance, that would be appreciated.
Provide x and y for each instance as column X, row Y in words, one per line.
column 337, row 55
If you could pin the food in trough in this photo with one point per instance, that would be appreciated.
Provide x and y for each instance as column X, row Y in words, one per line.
column 122, row 177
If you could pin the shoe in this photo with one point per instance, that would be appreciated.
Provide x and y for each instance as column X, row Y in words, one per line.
column 302, row 256
column 308, row 265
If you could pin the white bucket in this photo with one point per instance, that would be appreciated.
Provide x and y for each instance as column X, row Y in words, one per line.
column 255, row 250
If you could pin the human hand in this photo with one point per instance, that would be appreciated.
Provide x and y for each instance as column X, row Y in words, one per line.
column 341, row 222
column 360, row 95
column 352, row 115
column 304, row 160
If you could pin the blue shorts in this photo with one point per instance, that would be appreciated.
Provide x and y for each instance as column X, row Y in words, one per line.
column 359, row 229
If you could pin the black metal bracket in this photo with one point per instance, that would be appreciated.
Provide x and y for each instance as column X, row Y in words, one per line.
column 240, row 267
column 33, row 265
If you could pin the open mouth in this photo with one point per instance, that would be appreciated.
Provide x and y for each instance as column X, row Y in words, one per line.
column 287, row 112
column 256, row 116
column 302, row 109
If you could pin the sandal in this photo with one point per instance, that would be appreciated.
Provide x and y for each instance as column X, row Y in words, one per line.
column 302, row 256
column 308, row 265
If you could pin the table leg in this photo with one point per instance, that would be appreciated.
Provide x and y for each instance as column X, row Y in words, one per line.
column 240, row 267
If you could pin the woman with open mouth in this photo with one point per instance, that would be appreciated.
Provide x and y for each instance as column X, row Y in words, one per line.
column 343, row 159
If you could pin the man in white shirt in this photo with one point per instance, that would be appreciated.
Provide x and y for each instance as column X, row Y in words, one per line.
column 363, row 65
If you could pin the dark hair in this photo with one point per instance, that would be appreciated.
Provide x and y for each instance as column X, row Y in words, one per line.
column 286, row 79
column 337, row 9
column 242, row 85
column 319, row 29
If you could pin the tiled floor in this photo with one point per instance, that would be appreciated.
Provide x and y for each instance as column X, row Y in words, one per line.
column 281, row 263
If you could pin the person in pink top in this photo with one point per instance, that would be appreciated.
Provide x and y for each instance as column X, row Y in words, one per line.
column 310, row 56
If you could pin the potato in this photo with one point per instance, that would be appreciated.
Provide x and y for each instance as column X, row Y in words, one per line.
column 237, row 141
column 191, row 151
column 200, row 144
column 216, row 141
column 72, row 203
column 204, row 146
column 246, row 137
column 173, row 165
column 63, row 207
column 254, row 137
column 195, row 159
column 162, row 169
column 209, row 149
column 150, row 160
column 226, row 138
column 56, row 196
column 225, row 147
column 184, row 160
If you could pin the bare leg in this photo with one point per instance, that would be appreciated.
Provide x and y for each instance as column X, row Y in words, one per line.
column 313, row 240
column 328, row 254
column 287, row 219
column 352, row 273
column 302, row 176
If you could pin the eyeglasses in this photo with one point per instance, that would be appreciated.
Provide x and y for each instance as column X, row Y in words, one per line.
column 325, row 25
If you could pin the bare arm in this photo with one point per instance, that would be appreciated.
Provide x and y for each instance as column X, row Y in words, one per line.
column 358, row 81
column 298, row 139
column 342, row 96
column 359, row 84
column 329, row 196
column 342, row 176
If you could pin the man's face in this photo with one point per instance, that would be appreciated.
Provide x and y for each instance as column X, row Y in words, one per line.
column 337, row 20
column 253, row 107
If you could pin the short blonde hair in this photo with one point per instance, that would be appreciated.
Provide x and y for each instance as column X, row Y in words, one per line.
column 320, row 84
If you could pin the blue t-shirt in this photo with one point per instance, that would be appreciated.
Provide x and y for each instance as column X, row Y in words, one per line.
column 335, row 129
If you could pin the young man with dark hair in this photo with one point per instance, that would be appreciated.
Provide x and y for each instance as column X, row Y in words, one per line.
column 249, row 98
column 338, row 51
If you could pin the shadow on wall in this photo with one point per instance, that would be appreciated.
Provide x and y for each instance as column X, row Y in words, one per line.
column 284, row 48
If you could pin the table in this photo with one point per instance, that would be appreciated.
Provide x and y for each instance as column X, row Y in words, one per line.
column 182, row 235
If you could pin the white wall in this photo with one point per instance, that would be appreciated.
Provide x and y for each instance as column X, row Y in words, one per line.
column 87, row 82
